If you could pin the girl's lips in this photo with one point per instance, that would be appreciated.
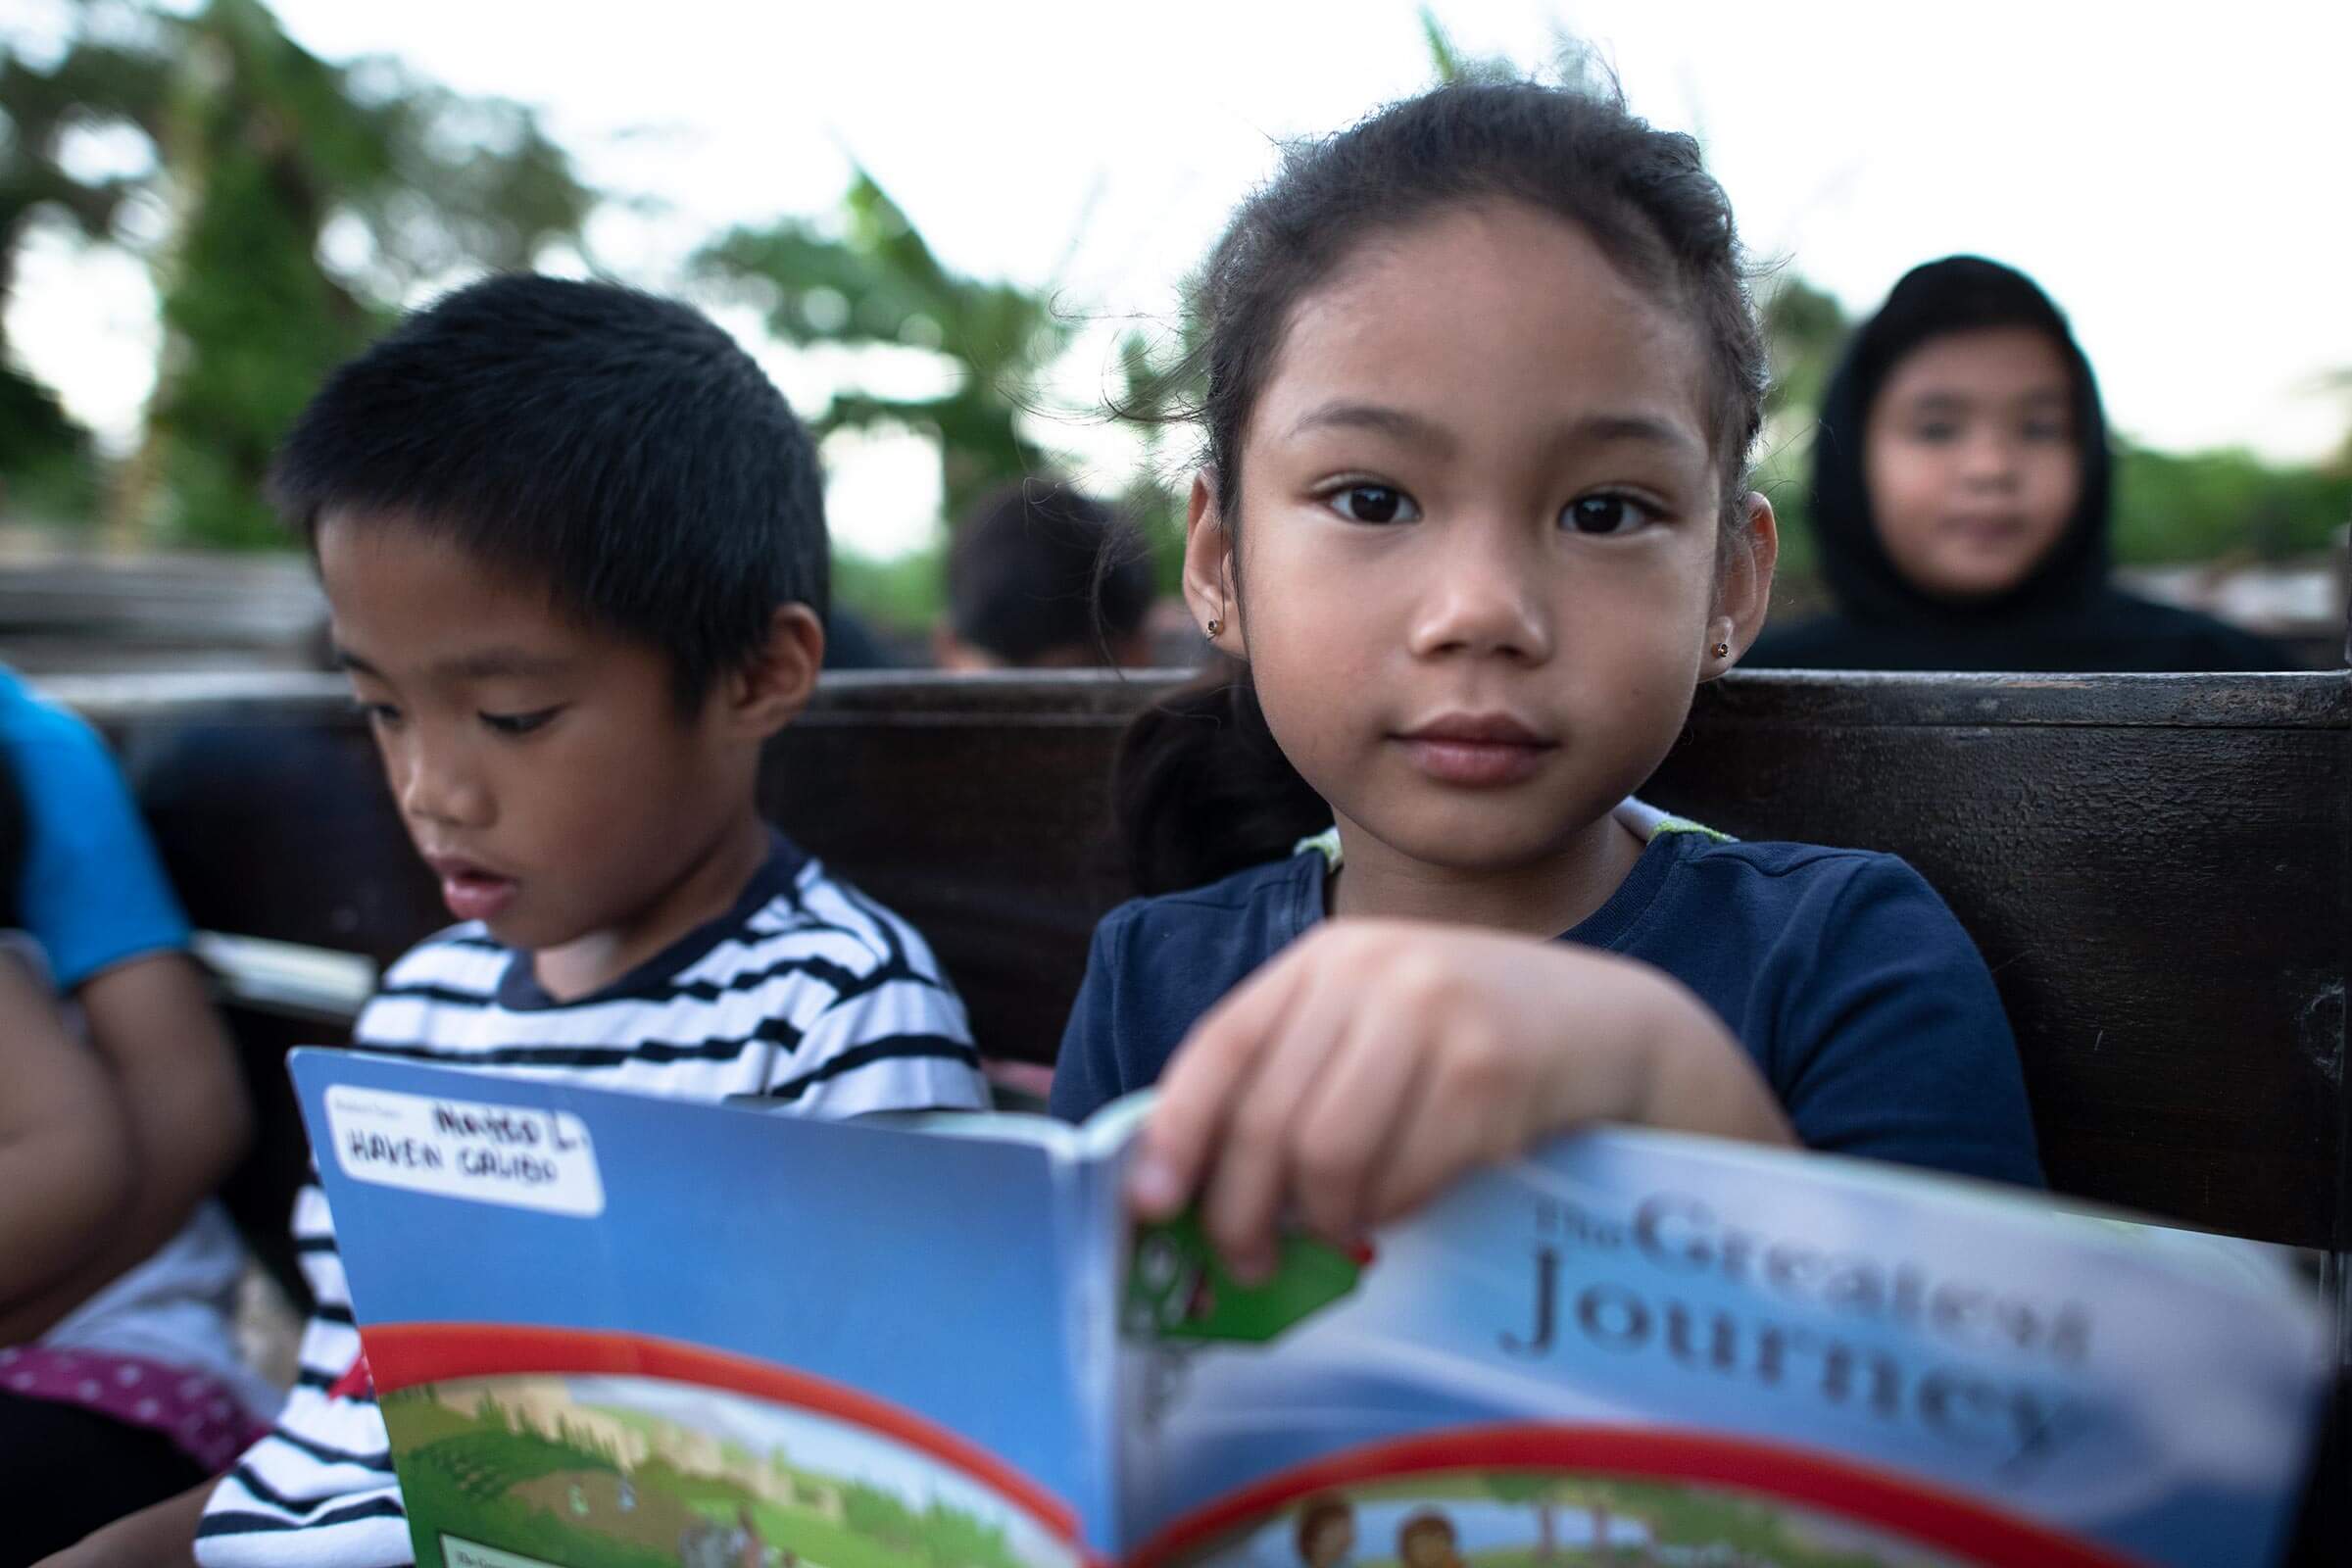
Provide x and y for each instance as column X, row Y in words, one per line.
column 1474, row 763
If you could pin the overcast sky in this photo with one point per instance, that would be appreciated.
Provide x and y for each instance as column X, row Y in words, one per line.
column 2177, row 179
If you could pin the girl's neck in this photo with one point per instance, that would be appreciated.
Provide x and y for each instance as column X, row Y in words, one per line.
column 1542, row 898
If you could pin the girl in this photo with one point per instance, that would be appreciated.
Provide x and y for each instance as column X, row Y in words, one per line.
column 1481, row 376
column 119, row 1379
column 1960, row 483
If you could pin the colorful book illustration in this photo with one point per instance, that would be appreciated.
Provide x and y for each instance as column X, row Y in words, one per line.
column 612, row 1332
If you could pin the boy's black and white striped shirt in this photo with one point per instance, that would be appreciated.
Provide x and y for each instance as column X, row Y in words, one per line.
column 808, row 991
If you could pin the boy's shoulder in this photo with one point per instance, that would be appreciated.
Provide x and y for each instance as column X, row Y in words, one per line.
column 810, row 901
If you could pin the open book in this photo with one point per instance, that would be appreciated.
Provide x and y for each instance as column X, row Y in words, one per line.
column 615, row 1331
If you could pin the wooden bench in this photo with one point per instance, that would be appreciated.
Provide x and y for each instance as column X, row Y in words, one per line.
column 2157, row 868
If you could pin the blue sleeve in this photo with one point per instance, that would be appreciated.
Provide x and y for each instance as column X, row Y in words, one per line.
column 1898, row 1046
column 1085, row 1069
column 91, row 892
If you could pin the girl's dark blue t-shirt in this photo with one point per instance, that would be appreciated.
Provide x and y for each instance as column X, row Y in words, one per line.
column 1863, row 1003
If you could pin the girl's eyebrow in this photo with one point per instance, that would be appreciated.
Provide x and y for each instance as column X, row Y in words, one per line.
column 1601, row 429
column 1402, row 423
column 1591, row 429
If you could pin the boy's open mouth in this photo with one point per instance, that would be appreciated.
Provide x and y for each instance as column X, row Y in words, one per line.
column 472, row 892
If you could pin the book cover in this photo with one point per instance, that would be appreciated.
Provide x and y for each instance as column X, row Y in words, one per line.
column 607, row 1330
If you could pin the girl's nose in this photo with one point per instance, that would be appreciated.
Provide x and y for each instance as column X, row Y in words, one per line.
column 1478, row 602
column 1989, row 459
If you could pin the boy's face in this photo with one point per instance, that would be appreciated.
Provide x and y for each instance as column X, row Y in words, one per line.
column 543, row 769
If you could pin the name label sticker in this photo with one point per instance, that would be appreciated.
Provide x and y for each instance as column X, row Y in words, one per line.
column 514, row 1156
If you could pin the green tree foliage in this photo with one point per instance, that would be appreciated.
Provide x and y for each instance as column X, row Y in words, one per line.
column 264, row 153
column 1161, row 390
column 97, row 84
column 2206, row 506
column 1804, row 330
column 1448, row 62
column 868, row 280
column 280, row 144
column 45, row 458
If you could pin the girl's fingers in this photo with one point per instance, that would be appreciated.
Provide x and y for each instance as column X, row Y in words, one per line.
column 1472, row 1113
column 1205, row 1086
column 1347, row 1131
column 1249, row 1171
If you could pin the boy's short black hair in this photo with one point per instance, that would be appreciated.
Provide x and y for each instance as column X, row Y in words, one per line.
column 617, row 445
column 1038, row 566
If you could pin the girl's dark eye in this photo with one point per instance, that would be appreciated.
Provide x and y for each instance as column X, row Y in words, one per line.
column 518, row 724
column 376, row 713
column 1606, row 514
column 1374, row 502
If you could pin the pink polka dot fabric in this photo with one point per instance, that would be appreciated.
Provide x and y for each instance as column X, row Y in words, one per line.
column 194, row 1409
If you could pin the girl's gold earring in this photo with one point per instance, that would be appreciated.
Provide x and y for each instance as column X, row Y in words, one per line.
column 1723, row 650
column 1215, row 626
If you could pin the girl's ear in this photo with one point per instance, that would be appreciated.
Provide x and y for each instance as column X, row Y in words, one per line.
column 1209, row 569
column 1742, row 588
column 770, row 688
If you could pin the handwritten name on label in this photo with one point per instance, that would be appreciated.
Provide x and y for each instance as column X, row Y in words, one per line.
column 512, row 1155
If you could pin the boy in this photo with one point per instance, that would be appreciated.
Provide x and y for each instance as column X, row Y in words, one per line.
column 574, row 548
column 1030, row 587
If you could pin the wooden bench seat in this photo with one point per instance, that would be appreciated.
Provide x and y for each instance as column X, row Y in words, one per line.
column 2158, row 870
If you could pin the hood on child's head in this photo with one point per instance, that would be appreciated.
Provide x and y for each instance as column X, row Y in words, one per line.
column 1958, row 294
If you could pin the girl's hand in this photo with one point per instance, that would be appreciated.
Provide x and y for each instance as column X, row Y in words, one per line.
column 1372, row 1062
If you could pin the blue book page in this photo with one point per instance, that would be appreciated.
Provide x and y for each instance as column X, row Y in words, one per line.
column 1681, row 1351
column 611, row 1329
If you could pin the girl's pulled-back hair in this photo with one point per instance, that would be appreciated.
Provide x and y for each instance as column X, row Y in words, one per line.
column 1202, row 788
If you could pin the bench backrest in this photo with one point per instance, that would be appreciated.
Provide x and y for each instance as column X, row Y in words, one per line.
column 2157, row 868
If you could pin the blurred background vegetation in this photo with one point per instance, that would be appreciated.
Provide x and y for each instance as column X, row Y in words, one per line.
column 286, row 207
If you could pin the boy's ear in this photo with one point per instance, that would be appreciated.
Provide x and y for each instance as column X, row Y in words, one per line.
column 1208, row 570
column 768, row 690
column 1743, row 587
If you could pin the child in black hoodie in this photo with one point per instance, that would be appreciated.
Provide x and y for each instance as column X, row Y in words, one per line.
column 1960, row 500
